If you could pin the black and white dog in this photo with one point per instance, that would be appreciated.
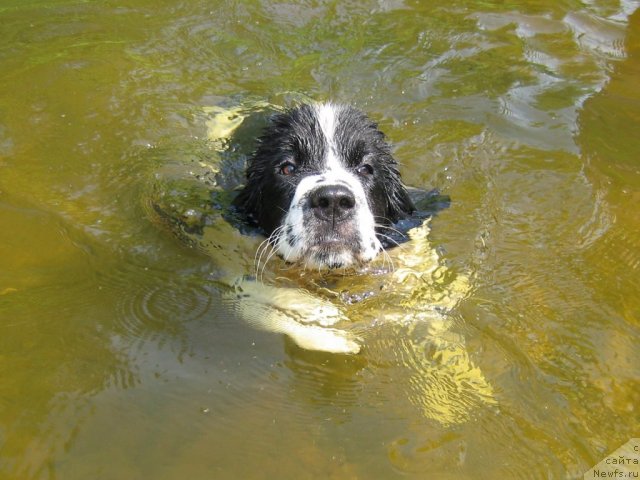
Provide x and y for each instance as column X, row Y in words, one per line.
column 323, row 186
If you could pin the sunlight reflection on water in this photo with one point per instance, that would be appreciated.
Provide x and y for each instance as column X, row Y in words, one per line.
column 118, row 349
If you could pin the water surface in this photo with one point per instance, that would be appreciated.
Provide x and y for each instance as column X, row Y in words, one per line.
column 119, row 358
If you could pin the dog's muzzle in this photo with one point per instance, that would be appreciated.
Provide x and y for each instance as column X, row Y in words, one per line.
column 328, row 225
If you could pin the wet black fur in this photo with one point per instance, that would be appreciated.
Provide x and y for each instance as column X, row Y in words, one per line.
column 295, row 136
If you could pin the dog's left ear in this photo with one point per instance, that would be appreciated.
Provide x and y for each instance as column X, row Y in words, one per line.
column 399, row 204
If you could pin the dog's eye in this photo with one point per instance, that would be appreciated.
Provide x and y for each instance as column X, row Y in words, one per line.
column 287, row 169
column 364, row 170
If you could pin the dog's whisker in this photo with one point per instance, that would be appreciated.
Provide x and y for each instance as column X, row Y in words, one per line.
column 262, row 248
column 271, row 255
column 385, row 257
column 268, row 245
column 268, row 252
column 391, row 239
column 264, row 245
column 275, row 240
column 387, row 227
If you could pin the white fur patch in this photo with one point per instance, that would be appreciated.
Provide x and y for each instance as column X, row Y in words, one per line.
column 327, row 115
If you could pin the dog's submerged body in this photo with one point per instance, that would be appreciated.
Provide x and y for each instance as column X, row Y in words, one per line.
column 324, row 187
column 325, row 190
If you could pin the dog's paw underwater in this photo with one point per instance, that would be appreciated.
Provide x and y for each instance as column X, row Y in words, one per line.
column 406, row 291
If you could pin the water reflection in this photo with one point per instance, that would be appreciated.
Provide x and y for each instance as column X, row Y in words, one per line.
column 118, row 353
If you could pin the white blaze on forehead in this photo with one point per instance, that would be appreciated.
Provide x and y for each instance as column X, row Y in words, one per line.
column 327, row 118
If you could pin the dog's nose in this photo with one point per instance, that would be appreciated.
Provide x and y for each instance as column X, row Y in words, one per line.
column 332, row 202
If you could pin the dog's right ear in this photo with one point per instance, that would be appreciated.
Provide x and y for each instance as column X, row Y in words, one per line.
column 261, row 201
column 248, row 201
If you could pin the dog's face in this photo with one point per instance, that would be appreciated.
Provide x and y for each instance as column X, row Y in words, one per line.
column 322, row 184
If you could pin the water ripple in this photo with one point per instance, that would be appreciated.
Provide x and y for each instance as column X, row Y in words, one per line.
column 154, row 304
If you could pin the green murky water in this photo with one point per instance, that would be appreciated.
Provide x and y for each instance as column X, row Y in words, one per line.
column 120, row 358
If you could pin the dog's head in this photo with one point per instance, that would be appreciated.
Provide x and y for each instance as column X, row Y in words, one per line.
column 322, row 184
